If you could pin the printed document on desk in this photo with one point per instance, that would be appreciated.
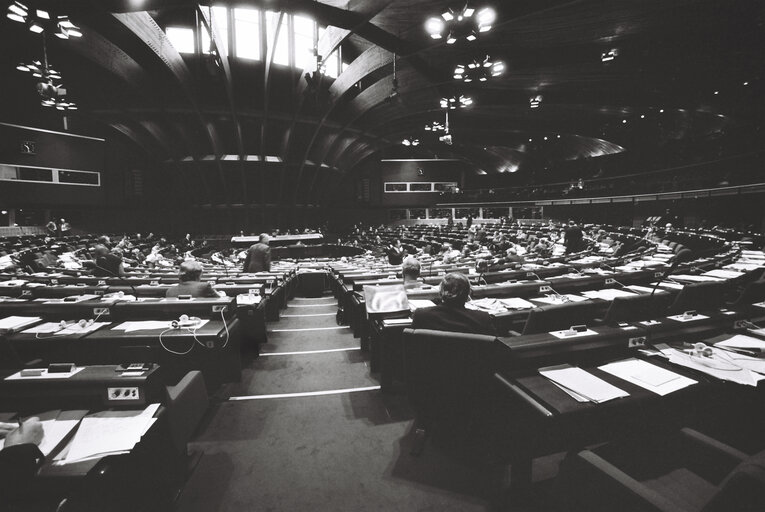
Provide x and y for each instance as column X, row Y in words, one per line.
column 743, row 342
column 13, row 323
column 107, row 433
column 720, row 367
column 607, row 294
column 56, row 425
column 582, row 383
column 648, row 376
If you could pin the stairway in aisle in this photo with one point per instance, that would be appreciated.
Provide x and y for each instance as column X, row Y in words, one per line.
column 307, row 428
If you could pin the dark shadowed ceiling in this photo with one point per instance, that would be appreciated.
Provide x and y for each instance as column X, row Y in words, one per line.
column 686, row 69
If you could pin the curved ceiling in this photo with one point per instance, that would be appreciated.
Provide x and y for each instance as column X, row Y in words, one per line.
column 685, row 69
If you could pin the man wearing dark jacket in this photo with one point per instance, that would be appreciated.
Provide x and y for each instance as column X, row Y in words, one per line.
column 258, row 257
column 19, row 458
column 452, row 315
column 190, row 282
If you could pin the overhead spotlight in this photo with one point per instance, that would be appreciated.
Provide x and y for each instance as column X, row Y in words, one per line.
column 624, row 121
column 451, row 39
column 36, row 26
column 17, row 12
column 478, row 70
column 448, row 15
column 545, row 137
column 531, row 140
column 434, row 26
column 535, row 101
column 745, row 83
column 43, row 15
column 609, row 55
column 558, row 136
column 717, row 92
column 642, row 116
column 485, row 18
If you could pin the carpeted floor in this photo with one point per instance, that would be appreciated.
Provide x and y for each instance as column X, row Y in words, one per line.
column 347, row 451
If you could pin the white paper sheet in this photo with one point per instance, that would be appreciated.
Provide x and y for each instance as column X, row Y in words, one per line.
column 607, row 294
column 17, row 322
column 723, row 274
column 516, row 303
column 554, row 299
column 722, row 369
column 420, row 303
column 583, row 383
column 742, row 341
column 648, row 376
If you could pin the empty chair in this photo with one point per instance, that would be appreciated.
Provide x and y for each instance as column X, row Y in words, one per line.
column 753, row 292
column 637, row 307
column 698, row 297
column 686, row 472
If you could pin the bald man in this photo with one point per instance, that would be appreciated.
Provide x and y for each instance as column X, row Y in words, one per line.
column 190, row 276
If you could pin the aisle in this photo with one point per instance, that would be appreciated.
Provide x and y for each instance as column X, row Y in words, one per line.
column 308, row 429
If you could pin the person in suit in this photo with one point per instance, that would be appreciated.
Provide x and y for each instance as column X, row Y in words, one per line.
column 190, row 276
column 258, row 257
column 451, row 315
column 20, row 456
column 395, row 253
column 107, row 264
column 573, row 237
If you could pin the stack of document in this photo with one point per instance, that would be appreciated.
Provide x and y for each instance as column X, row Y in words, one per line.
column 723, row 274
column 420, row 303
column 581, row 385
column 56, row 425
column 56, row 329
column 516, row 303
column 607, row 294
column 152, row 325
column 648, row 376
column 560, row 299
column 108, row 433
column 14, row 323
column 694, row 278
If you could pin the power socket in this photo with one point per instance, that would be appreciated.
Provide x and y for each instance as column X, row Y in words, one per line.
column 101, row 312
column 545, row 289
column 610, row 280
column 740, row 324
column 218, row 308
column 210, row 344
column 636, row 342
column 123, row 393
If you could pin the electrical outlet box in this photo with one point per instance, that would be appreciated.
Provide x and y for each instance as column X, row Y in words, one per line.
column 218, row 308
column 251, row 291
column 101, row 282
column 530, row 274
column 123, row 393
column 210, row 344
column 101, row 312
column 610, row 281
column 26, row 293
column 636, row 342
column 657, row 275
column 740, row 324
column 54, row 282
column 545, row 289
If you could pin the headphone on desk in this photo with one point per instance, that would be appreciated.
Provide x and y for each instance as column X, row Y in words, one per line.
column 186, row 321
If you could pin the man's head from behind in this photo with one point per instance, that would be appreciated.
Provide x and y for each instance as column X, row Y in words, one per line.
column 100, row 250
column 190, row 270
column 410, row 269
column 264, row 238
column 455, row 289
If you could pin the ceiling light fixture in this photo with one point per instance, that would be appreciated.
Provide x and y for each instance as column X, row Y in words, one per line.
column 455, row 102
column 39, row 21
column 610, row 55
column 464, row 23
column 410, row 141
column 52, row 94
column 478, row 71
column 535, row 101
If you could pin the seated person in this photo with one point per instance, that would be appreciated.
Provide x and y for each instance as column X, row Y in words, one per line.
column 20, row 457
column 451, row 314
column 190, row 275
column 107, row 264
column 450, row 255
column 410, row 270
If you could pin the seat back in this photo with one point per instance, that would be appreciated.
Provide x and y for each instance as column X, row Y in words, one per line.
column 699, row 296
column 559, row 317
column 637, row 307
column 448, row 374
column 743, row 489
column 752, row 293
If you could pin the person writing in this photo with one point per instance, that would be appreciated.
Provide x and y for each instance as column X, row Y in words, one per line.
column 190, row 276
column 258, row 257
column 451, row 314
column 20, row 456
